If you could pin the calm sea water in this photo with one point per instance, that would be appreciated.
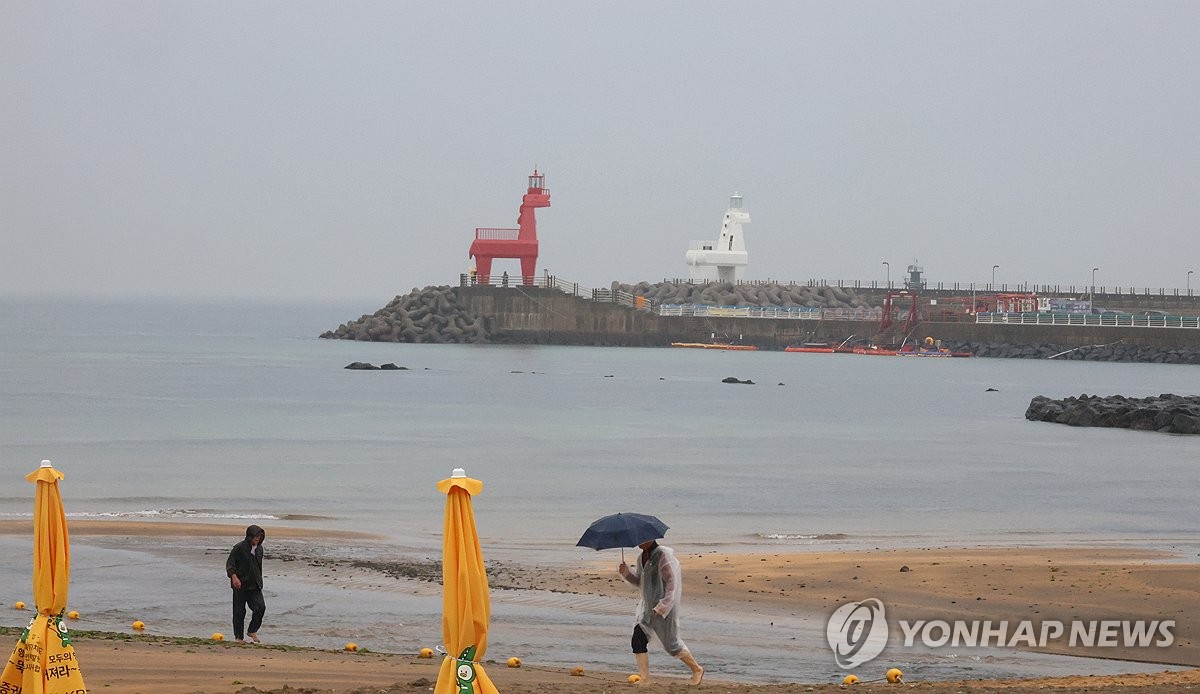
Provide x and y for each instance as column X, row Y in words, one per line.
column 192, row 411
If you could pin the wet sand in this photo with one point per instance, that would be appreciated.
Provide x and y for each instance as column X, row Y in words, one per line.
column 157, row 666
column 1015, row 583
column 1005, row 583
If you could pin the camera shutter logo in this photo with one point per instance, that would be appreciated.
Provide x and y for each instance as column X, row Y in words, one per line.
column 857, row 632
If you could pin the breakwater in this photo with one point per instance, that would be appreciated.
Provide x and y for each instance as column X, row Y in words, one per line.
column 1175, row 414
column 1119, row 352
column 541, row 315
column 432, row 314
column 728, row 294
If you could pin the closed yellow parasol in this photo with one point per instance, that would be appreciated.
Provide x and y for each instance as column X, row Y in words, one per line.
column 43, row 661
column 465, row 603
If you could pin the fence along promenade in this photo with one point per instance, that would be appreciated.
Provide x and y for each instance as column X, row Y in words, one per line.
column 1124, row 320
column 985, row 287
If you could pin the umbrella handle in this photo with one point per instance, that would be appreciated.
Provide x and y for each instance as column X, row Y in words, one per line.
column 622, row 555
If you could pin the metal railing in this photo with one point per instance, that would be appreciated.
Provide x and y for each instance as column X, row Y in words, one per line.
column 501, row 280
column 488, row 233
column 986, row 287
column 856, row 313
column 1106, row 320
column 708, row 311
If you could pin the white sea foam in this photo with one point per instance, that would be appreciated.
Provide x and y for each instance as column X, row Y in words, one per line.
column 803, row 536
column 156, row 513
column 175, row 513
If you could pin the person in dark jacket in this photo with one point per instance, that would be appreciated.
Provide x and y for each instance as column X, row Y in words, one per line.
column 244, row 568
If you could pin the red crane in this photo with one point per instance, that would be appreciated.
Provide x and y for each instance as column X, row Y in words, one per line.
column 910, row 320
column 520, row 243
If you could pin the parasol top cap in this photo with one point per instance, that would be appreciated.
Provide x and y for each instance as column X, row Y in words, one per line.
column 458, row 478
column 46, row 463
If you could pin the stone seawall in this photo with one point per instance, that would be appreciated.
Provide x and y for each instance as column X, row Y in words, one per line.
column 1108, row 352
column 534, row 315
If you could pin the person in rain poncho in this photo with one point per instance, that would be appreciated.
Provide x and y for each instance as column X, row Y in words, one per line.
column 661, row 580
column 244, row 568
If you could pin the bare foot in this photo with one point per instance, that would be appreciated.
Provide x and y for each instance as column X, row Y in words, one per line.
column 254, row 638
column 697, row 676
column 239, row 641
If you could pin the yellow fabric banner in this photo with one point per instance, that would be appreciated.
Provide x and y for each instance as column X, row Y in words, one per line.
column 43, row 661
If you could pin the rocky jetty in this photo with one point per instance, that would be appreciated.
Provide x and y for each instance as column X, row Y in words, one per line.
column 1175, row 414
column 727, row 294
column 439, row 315
column 432, row 314
column 1113, row 352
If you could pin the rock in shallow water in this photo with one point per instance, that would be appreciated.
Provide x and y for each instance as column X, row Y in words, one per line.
column 1174, row 414
column 731, row 379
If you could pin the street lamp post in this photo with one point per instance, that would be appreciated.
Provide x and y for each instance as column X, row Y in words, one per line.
column 1189, row 282
column 994, row 277
column 889, row 274
column 1092, row 289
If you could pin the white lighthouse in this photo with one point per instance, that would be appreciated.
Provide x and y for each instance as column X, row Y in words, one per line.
column 724, row 259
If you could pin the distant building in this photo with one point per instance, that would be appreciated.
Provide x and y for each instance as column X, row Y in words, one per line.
column 722, row 260
column 915, row 280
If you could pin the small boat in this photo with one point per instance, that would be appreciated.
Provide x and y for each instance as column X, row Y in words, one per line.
column 821, row 347
column 929, row 348
column 943, row 352
column 874, row 350
column 715, row 345
column 814, row 348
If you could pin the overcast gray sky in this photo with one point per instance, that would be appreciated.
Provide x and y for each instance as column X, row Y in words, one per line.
column 349, row 149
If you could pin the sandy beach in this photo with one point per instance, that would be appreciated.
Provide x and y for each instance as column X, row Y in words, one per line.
column 1013, row 583
column 980, row 583
column 162, row 666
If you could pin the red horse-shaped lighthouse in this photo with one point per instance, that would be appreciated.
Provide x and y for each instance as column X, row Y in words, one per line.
column 519, row 243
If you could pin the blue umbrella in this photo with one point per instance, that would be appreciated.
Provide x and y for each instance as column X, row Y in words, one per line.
column 622, row 530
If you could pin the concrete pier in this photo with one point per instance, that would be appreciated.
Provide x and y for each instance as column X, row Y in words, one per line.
column 548, row 316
